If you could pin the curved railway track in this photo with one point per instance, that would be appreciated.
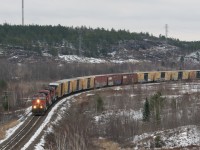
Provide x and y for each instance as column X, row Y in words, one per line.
column 20, row 136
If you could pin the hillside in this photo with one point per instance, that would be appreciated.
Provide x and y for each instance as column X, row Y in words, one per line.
column 80, row 44
column 32, row 56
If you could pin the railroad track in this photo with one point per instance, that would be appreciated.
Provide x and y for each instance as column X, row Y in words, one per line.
column 20, row 136
column 25, row 132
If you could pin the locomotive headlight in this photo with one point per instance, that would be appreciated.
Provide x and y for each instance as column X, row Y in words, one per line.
column 38, row 101
column 34, row 107
column 41, row 106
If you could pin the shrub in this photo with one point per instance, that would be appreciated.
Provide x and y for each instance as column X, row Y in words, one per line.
column 146, row 111
column 99, row 104
column 158, row 142
column 3, row 84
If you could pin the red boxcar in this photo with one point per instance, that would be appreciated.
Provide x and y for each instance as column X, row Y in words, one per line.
column 114, row 79
column 129, row 78
column 101, row 81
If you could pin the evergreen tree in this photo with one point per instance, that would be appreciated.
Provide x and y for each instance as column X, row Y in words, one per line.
column 99, row 104
column 146, row 111
column 158, row 142
column 156, row 104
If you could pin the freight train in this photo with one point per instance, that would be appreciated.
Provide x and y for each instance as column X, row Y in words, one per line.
column 56, row 90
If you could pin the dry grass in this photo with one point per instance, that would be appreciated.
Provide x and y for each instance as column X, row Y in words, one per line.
column 7, row 126
column 105, row 144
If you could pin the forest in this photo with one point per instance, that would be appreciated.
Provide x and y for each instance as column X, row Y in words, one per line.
column 76, row 40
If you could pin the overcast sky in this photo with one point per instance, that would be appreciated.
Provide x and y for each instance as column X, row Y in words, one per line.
column 182, row 16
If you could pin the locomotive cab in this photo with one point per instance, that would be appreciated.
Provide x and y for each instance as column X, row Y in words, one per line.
column 48, row 96
column 39, row 105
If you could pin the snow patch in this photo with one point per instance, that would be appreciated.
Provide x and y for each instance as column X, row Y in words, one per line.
column 133, row 95
column 178, row 137
column 117, row 88
column 75, row 58
column 62, row 110
column 124, row 61
column 89, row 94
column 46, row 55
column 11, row 131
column 136, row 115
column 46, row 121
column 112, row 54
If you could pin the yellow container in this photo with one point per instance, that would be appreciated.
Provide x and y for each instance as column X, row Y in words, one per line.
column 192, row 74
column 88, row 82
column 77, row 84
column 157, row 76
column 84, row 83
column 91, row 82
column 140, row 76
column 168, row 75
column 74, row 85
column 70, row 89
column 58, row 90
column 174, row 75
column 151, row 76
column 64, row 88
column 185, row 75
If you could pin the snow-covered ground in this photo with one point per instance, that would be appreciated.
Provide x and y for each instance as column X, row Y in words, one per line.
column 172, row 138
column 192, row 57
column 136, row 115
column 44, row 124
column 22, row 119
column 62, row 105
column 75, row 58
column 181, row 136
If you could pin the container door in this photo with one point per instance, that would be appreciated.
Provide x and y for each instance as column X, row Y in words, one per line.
column 88, row 83
column 198, row 74
column 146, row 77
column 62, row 89
column 69, row 86
column 77, row 85
column 180, row 75
column 162, row 75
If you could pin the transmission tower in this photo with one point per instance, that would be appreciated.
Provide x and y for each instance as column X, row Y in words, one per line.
column 22, row 12
column 166, row 31
column 80, row 43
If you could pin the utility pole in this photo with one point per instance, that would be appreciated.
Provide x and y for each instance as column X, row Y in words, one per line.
column 6, row 100
column 80, row 43
column 166, row 32
column 23, row 12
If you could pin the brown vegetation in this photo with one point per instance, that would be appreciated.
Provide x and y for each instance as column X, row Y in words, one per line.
column 116, row 124
column 6, row 126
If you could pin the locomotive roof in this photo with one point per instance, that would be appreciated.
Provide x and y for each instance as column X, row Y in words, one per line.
column 39, row 95
column 44, row 91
